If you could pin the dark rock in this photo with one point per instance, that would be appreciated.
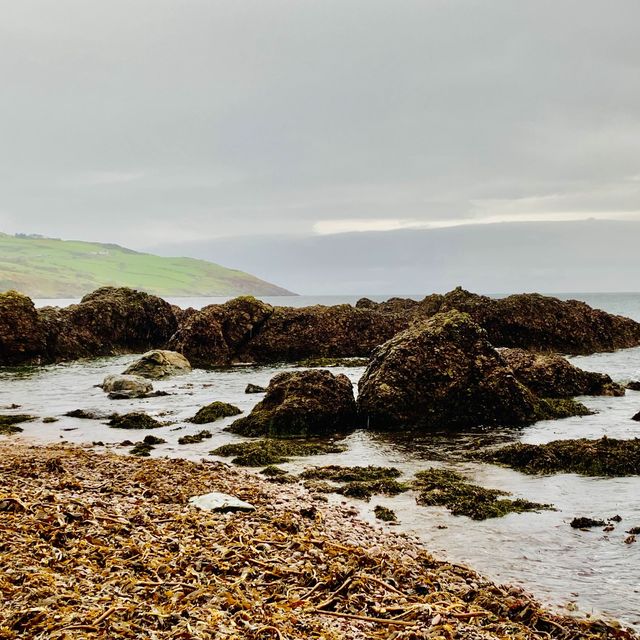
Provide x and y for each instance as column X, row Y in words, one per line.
column 302, row 403
column 333, row 362
column 86, row 415
column 195, row 438
column 22, row 338
column 634, row 385
column 153, row 440
column 442, row 373
column 636, row 417
column 385, row 514
column 254, row 388
column 553, row 376
column 216, row 333
column 215, row 411
column 586, row 523
column 159, row 363
column 108, row 321
column 134, row 420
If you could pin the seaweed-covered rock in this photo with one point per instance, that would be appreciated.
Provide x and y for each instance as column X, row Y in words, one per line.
column 9, row 423
column 553, row 376
column 302, row 403
column 21, row 333
column 603, row 457
column 159, row 363
column 442, row 373
column 257, row 453
column 130, row 386
column 254, row 388
column 215, row 411
column 215, row 334
column 108, row 321
column 586, row 523
column 134, row 420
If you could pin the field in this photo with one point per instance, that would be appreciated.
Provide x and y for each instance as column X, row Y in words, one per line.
column 51, row 268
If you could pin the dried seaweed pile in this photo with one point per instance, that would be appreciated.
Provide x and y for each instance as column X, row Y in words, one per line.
column 103, row 546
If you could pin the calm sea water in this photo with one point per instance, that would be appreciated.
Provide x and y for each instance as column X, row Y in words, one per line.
column 595, row 571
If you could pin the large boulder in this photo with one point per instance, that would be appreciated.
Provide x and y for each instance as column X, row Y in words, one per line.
column 553, row 376
column 159, row 363
column 127, row 386
column 214, row 335
column 108, row 321
column 440, row 374
column 21, row 333
column 302, row 404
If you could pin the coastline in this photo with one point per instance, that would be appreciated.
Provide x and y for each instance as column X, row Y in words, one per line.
column 96, row 543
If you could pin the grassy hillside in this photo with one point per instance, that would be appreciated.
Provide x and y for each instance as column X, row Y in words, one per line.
column 48, row 268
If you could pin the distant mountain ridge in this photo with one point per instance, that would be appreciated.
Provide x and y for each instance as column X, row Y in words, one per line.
column 53, row 268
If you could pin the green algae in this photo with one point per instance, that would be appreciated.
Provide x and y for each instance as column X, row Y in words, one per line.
column 603, row 457
column 443, row 487
column 215, row 411
column 195, row 438
column 259, row 453
column 385, row 514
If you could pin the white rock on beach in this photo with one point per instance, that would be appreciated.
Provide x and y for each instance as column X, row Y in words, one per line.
column 220, row 503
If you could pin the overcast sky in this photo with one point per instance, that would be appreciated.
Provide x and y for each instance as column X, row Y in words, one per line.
column 147, row 122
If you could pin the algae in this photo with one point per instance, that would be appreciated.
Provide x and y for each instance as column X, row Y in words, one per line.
column 272, row 471
column 558, row 408
column 586, row 523
column 363, row 490
column 443, row 487
column 337, row 473
column 333, row 362
column 215, row 411
column 258, row 453
column 8, row 424
column 603, row 457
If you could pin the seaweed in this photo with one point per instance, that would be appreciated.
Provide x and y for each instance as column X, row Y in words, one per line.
column 8, row 424
column 258, row 453
column 603, row 457
column 444, row 487
column 363, row 490
column 337, row 473
column 215, row 411
column 586, row 523
column 133, row 420
column 557, row 408
column 333, row 362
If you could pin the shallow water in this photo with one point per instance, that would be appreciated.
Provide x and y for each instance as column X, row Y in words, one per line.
column 596, row 571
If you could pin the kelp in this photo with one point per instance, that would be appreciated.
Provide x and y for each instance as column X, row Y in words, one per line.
column 447, row 488
column 603, row 457
column 98, row 545
column 258, row 453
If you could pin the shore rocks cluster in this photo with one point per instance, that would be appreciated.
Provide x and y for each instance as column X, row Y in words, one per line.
column 119, row 320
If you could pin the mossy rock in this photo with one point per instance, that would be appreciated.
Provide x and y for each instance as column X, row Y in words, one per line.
column 8, row 424
column 215, row 411
column 366, row 489
column 258, row 453
column 195, row 438
column 385, row 514
column 603, row 457
column 443, row 487
column 134, row 420
column 557, row 408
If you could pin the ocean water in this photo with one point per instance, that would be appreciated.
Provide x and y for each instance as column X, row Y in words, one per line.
column 594, row 571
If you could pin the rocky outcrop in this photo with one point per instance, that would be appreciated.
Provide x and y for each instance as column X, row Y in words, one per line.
column 217, row 333
column 108, row 321
column 122, row 386
column 159, row 363
column 444, row 373
column 302, row 404
column 553, row 376
column 21, row 335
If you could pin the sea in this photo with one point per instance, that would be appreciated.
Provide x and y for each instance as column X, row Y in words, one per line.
column 585, row 573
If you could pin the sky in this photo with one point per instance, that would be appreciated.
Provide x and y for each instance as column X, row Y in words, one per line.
column 165, row 124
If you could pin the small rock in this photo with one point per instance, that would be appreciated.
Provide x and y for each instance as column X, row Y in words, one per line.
column 159, row 363
column 254, row 388
column 630, row 539
column 586, row 523
column 129, row 386
column 220, row 503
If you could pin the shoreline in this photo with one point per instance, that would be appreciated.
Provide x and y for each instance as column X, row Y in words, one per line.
column 98, row 542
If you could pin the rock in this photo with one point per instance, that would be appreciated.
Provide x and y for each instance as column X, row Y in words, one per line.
column 586, row 523
column 87, row 415
column 440, row 374
column 22, row 337
column 302, row 403
column 108, row 321
column 553, row 376
column 214, row 335
column 127, row 386
column 634, row 385
column 159, row 363
column 636, row 417
column 134, row 420
column 215, row 411
column 254, row 388
column 220, row 503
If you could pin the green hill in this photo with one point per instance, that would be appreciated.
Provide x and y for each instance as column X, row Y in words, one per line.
column 49, row 268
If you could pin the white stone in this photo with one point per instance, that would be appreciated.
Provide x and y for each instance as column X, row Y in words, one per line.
column 220, row 502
